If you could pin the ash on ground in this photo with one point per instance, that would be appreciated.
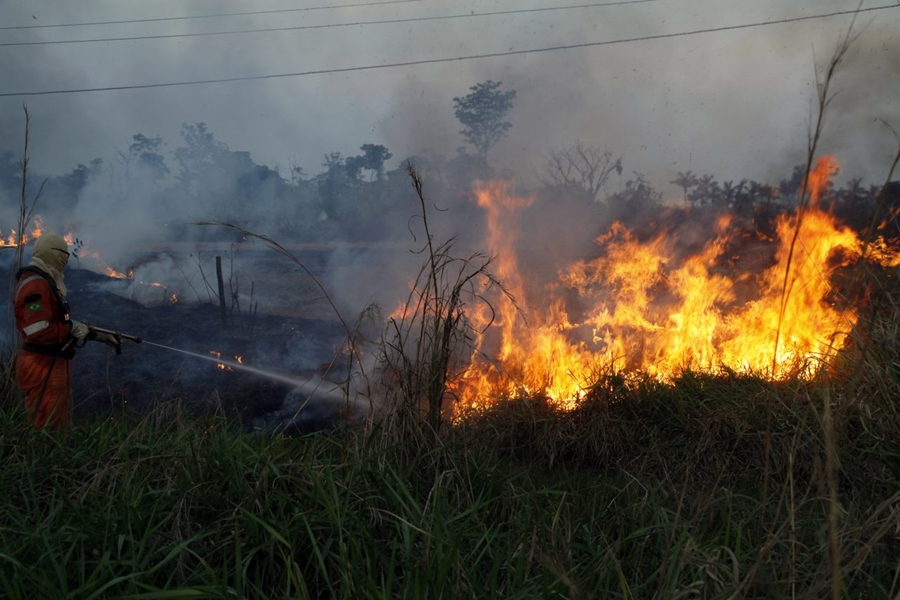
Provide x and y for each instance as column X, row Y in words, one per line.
column 146, row 377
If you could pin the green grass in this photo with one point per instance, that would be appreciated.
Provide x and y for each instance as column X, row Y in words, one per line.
column 711, row 487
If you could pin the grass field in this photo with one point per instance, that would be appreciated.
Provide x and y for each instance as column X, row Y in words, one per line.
column 708, row 487
column 703, row 485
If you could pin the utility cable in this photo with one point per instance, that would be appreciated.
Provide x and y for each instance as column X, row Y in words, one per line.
column 211, row 16
column 429, row 61
column 469, row 15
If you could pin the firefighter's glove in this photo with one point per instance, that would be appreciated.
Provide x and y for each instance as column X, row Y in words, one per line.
column 105, row 338
column 79, row 330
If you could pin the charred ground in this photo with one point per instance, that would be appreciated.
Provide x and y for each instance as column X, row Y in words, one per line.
column 145, row 376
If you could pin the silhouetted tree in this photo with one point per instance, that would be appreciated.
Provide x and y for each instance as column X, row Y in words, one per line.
column 685, row 181
column 482, row 113
column 199, row 156
column 353, row 165
column 334, row 182
column 147, row 152
column 769, row 193
column 62, row 192
column 727, row 194
column 790, row 188
column 706, row 190
column 636, row 200
column 374, row 157
column 854, row 190
column 742, row 201
column 582, row 167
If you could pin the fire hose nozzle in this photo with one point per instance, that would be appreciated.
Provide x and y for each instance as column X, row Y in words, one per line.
column 119, row 337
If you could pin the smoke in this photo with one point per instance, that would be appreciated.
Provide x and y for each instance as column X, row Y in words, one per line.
column 735, row 104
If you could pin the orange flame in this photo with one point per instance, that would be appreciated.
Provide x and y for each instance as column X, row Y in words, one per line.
column 639, row 307
column 220, row 365
column 820, row 177
column 11, row 240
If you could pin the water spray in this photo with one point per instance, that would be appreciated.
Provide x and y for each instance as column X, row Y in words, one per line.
column 234, row 365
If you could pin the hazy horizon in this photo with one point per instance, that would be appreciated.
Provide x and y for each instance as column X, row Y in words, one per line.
column 735, row 104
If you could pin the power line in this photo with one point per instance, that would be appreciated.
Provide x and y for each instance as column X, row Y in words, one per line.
column 412, row 63
column 211, row 16
column 469, row 15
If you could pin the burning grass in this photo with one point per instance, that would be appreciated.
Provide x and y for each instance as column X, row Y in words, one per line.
column 650, row 302
column 715, row 482
column 768, row 470
column 707, row 484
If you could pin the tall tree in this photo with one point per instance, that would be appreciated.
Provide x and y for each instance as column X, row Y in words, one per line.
column 336, row 181
column 706, row 190
column 374, row 157
column 199, row 156
column 147, row 152
column 790, row 188
column 482, row 113
column 685, row 181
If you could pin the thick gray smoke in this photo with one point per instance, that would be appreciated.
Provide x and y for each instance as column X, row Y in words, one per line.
column 735, row 104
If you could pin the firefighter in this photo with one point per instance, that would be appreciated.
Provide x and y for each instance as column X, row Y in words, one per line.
column 48, row 335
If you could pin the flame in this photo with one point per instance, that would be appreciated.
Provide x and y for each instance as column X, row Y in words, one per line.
column 11, row 240
column 220, row 365
column 119, row 275
column 38, row 227
column 639, row 307
column 820, row 177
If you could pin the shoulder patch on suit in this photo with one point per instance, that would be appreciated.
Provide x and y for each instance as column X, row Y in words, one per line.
column 35, row 306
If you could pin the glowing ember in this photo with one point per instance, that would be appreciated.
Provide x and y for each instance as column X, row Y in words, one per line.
column 639, row 307
column 220, row 365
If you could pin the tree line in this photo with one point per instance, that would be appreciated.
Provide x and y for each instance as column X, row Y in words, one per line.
column 359, row 197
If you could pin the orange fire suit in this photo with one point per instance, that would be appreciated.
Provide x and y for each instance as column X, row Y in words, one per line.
column 42, row 367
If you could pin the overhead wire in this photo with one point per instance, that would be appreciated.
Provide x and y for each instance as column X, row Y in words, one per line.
column 411, row 63
column 209, row 16
column 469, row 15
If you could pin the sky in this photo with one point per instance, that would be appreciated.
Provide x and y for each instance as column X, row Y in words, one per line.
column 735, row 103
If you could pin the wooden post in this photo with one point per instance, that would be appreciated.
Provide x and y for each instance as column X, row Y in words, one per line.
column 221, row 291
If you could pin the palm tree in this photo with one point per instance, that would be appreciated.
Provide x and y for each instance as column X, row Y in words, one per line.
column 686, row 181
column 707, row 190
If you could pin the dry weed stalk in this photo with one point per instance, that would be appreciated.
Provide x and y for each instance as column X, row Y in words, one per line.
column 431, row 335
column 25, row 214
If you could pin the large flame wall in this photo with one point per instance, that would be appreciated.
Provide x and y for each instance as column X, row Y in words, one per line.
column 637, row 306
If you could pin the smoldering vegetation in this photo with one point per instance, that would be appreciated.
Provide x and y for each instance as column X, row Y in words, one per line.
column 147, row 230
column 704, row 485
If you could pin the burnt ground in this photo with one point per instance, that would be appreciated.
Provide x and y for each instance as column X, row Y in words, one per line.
column 145, row 377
